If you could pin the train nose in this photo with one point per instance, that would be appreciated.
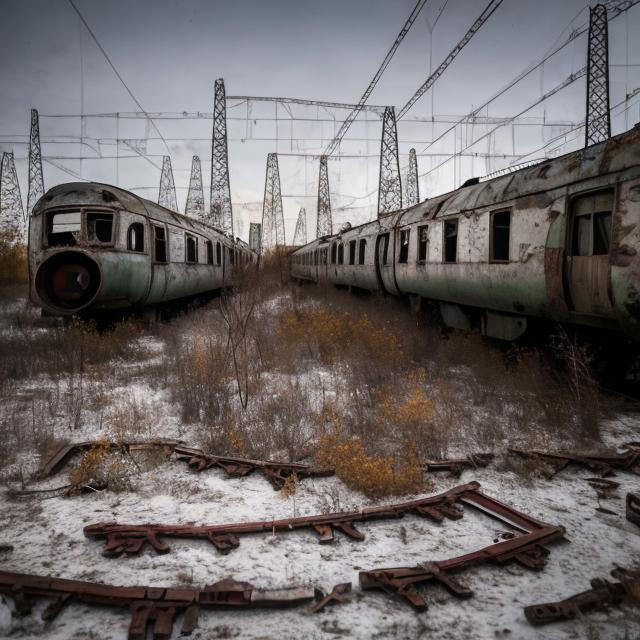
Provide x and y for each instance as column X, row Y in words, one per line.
column 68, row 281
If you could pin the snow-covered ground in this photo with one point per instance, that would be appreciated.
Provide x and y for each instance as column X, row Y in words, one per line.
column 45, row 532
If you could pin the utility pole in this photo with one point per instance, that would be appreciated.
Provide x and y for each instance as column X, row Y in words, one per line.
column 272, row 212
column 389, row 186
column 36, row 182
column 12, row 219
column 300, row 234
column 167, row 193
column 220, row 194
column 598, row 127
column 195, row 196
column 413, row 190
column 324, row 224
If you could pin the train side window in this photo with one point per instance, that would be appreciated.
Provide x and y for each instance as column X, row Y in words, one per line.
column 423, row 243
column 99, row 227
column 231, row 256
column 218, row 253
column 333, row 253
column 500, row 232
column 352, row 252
column 209, row 248
column 191, row 248
column 591, row 233
column 341, row 253
column 362, row 251
column 385, row 248
column 135, row 237
column 160, row 244
column 451, row 240
column 403, row 256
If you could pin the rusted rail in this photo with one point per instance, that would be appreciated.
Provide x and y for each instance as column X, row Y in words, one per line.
column 603, row 464
column 131, row 538
column 602, row 595
column 157, row 606
column 276, row 472
column 457, row 465
column 402, row 581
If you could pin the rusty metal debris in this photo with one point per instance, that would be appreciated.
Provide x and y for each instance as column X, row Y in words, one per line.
column 157, row 605
column 457, row 465
column 131, row 538
column 604, row 464
column 402, row 581
column 602, row 595
column 62, row 455
column 340, row 594
column 633, row 508
column 276, row 472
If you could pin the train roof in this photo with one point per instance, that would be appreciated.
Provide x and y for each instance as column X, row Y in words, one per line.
column 97, row 193
column 618, row 153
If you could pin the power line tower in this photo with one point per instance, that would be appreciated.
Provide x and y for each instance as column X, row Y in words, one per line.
column 272, row 213
column 390, row 186
column 300, row 234
column 221, row 213
column 195, row 196
column 36, row 181
column 167, row 193
column 324, row 224
column 255, row 235
column 598, row 126
column 12, row 220
column 413, row 190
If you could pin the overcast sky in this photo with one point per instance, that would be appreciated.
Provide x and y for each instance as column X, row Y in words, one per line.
column 169, row 52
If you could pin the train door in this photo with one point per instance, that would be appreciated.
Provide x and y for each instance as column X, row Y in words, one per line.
column 588, row 264
column 160, row 260
column 384, row 258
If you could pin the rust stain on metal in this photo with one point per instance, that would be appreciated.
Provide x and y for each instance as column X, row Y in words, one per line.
column 402, row 581
column 602, row 595
column 131, row 538
column 340, row 594
column 157, row 606
column 553, row 269
column 604, row 464
column 456, row 465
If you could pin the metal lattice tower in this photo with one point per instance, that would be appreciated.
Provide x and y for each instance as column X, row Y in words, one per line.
column 221, row 212
column 255, row 235
column 167, row 193
column 36, row 181
column 324, row 224
column 413, row 190
column 390, row 185
column 300, row 234
column 195, row 196
column 598, row 126
column 12, row 219
column 272, row 213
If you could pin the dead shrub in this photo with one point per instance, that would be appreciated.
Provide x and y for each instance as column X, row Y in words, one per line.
column 375, row 476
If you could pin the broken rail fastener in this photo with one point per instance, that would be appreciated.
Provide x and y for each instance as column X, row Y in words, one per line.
column 131, row 538
column 457, row 465
column 604, row 464
column 602, row 595
column 402, row 581
column 276, row 472
column 157, row 605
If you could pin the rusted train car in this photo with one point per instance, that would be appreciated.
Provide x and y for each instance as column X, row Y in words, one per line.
column 559, row 240
column 95, row 249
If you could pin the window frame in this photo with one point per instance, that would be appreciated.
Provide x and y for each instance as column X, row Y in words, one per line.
column 362, row 251
column 419, row 244
column 187, row 238
column 163, row 227
column 404, row 247
column 341, row 253
column 446, row 222
column 492, row 258
column 208, row 251
column 84, row 223
column 130, row 228
column 591, row 215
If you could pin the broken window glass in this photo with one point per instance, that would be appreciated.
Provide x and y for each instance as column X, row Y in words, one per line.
column 404, row 245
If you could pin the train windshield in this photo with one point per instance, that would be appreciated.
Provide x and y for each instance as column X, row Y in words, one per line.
column 99, row 227
column 64, row 228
